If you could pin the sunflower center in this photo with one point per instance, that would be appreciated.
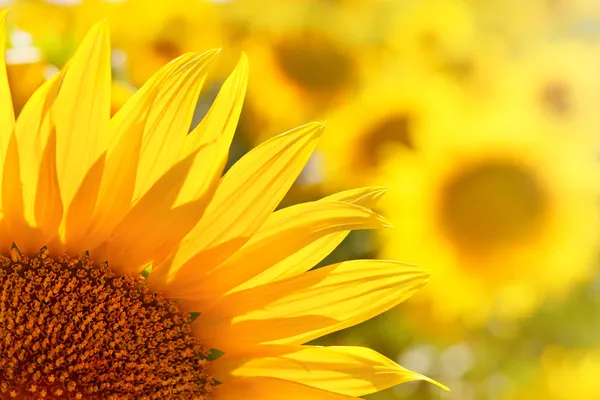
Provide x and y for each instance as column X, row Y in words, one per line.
column 555, row 98
column 167, row 43
column 73, row 329
column 490, row 205
column 166, row 48
column 315, row 63
column 395, row 129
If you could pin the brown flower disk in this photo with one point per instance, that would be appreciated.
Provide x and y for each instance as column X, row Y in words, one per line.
column 70, row 329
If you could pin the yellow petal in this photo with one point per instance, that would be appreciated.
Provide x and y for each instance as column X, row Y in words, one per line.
column 7, row 115
column 215, row 132
column 353, row 371
column 12, row 197
column 137, row 240
column 313, row 253
column 169, row 120
column 285, row 232
column 244, row 199
column 48, row 207
column 299, row 309
column 118, row 180
column 261, row 388
column 81, row 113
column 366, row 197
column 34, row 178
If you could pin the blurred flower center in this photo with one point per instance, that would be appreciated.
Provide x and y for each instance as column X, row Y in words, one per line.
column 394, row 129
column 315, row 63
column 168, row 43
column 166, row 48
column 491, row 204
column 555, row 97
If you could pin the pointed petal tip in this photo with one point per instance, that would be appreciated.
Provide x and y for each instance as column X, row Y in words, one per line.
column 100, row 27
column 311, row 129
column 209, row 54
column 434, row 382
column 244, row 62
column 242, row 65
column 423, row 273
column 426, row 274
column 318, row 126
column 206, row 56
column 208, row 59
column 97, row 33
column 414, row 269
column 315, row 124
column 385, row 223
column 381, row 190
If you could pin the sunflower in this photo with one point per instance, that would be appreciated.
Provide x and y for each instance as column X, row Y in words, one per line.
column 128, row 257
column 501, row 207
column 557, row 82
column 385, row 118
column 163, row 31
column 309, row 57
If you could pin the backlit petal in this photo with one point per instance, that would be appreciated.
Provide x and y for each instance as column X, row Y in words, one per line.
column 285, row 232
column 7, row 115
column 313, row 253
column 214, row 134
column 118, row 181
column 169, row 120
column 137, row 240
column 245, row 198
column 299, row 309
column 81, row 113
column 34, row 176
column 354, row 371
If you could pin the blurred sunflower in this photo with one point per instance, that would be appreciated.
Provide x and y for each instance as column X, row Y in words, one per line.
column 557, row 82
column 146, row 197
column 305, row 64
column 502, row 209
column 384, row 119
column 162, row 31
